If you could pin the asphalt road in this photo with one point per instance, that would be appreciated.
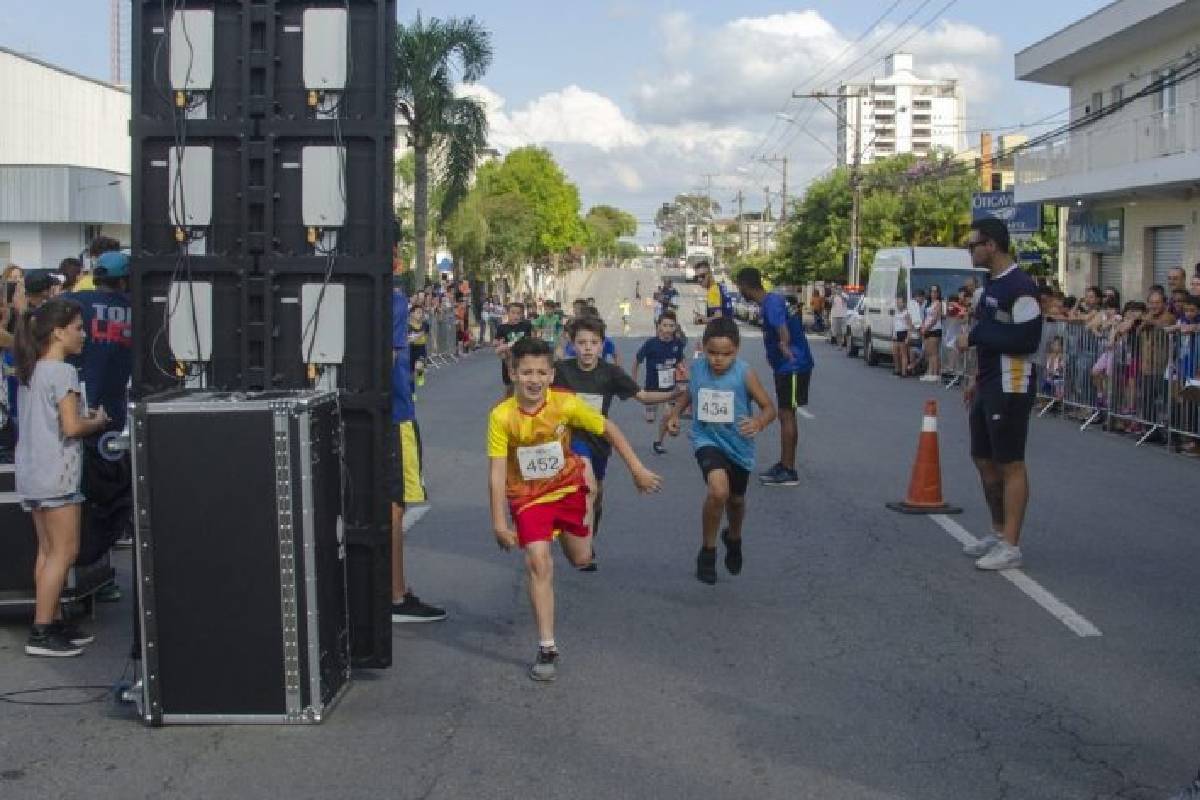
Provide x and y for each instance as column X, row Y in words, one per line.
column 859, row 654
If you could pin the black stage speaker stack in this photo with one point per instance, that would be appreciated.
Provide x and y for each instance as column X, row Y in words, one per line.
column 263, row 136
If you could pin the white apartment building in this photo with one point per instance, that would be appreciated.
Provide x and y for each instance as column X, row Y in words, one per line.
column 64, row 162
column 899, row 113
column 1129, row 175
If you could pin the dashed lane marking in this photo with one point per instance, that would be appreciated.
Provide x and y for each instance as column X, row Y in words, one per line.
column 1068, row 616
column 413, row 515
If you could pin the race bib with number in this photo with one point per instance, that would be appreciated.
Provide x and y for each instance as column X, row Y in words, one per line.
column 715, row 406
column 596, row 401
column 542, row 461
column 666, row 378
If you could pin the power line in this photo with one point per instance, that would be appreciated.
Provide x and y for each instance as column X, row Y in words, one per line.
column 760, row 147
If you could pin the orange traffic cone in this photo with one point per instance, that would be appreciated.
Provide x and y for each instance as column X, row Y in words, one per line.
column 925, row 486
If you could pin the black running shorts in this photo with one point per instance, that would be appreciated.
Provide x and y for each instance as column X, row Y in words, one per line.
column 710, row 458
column 1000, row 425
column 791, row 391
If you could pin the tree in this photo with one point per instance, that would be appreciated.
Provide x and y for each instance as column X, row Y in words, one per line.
column 673, row 246
column 468, row 234
column 605, row 225
column 906, row 200
column 532, row 174
column 672, row 217
column 428, row 55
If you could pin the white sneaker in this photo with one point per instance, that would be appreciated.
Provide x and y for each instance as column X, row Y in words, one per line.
column 928, row 378
column 981, row 547
column 1002, row 556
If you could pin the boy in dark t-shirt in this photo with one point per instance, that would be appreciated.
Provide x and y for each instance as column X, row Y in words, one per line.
column 514, row 328
column 663, row 355
column 596, row 382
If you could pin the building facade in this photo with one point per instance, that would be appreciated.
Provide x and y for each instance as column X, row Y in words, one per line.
column 1128, row 174
column 899, row 113
column 64, row 162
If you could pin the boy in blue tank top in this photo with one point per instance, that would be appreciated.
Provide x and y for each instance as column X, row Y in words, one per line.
column 721, row 390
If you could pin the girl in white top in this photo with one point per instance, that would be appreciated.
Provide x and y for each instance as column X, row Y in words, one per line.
column 931, row 331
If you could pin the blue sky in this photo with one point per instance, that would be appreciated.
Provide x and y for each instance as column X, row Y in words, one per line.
column 638, row 99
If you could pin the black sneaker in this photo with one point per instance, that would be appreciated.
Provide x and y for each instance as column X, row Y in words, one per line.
column 782, row 476
column 658, row 449
column 733, row 553
column 706, row 566
column 74, row 634
column 45, row 640
column 770, row 471
column 591, row 566
column 413, row 610
column 545, row 666
column 109, row 593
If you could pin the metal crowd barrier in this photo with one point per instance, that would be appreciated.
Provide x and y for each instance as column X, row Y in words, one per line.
column 954, row 363
column 1135, row 382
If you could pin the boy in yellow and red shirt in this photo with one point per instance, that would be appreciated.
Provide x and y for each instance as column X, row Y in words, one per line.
column 543, row 484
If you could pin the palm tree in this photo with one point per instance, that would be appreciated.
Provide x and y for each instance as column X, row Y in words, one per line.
column 430, row 55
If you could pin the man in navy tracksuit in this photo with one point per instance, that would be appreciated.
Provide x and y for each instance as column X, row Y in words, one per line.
column 1001, row 397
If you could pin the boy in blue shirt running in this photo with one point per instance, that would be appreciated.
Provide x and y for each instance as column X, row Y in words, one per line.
column 723, row 429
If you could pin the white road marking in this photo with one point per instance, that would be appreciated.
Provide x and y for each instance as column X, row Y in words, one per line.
column 413, row 515
column 1068, row 616
column 804, row 412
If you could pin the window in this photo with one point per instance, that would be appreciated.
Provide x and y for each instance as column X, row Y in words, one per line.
column 1097, row 102
column 1118, row 94
column 1167, row 96
column 997, row 181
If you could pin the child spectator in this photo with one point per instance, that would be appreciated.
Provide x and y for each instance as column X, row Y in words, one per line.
column 49, row 461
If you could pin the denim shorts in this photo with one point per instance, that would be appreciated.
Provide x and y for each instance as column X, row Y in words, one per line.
column 46, row 503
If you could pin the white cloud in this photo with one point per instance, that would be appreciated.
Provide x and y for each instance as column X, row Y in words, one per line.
column 704, row 103
column 749, row 65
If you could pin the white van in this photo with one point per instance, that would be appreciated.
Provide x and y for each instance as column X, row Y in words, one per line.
column 902, row 271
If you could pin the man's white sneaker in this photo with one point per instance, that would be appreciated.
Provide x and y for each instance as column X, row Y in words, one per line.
column 1002, row 556
column 981, row 547
column 929, row 378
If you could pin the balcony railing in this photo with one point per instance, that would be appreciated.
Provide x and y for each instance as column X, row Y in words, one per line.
column 1166, row 133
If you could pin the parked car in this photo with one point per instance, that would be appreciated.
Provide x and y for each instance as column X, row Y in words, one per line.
column 902, row 271
column 855, row 329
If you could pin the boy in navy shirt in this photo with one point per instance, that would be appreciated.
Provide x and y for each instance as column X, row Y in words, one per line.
column 663, row 355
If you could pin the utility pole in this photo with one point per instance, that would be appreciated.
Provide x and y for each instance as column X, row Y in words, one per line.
column 766, row 216
column 708, row 210
column 114, row 41
column 857, row 96
column 784, row 193
column 743, row 238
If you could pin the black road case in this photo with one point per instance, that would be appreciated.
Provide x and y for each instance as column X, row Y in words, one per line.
column 241, row 556
column 18, row 553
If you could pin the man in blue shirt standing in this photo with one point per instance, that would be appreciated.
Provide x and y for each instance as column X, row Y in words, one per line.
column 105, row 366
column 792, row 363
column 406, row 482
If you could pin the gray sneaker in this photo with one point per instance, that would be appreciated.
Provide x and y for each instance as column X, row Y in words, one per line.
column 1002, row 556
column 545, row 667
column 782, row 476
column 982, row 547
column 1189, row 792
